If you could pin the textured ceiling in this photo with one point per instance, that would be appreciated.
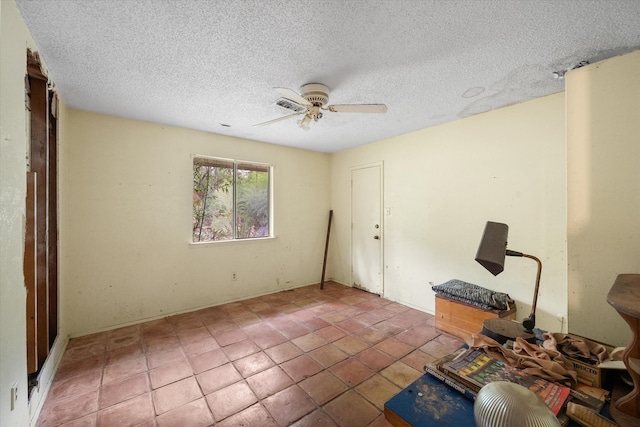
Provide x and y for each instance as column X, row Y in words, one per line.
column 204, row 64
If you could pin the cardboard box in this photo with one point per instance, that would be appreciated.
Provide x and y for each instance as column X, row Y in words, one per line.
column 591, row 375
column 463, row 320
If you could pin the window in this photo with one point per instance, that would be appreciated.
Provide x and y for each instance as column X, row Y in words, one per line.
column 231, row 200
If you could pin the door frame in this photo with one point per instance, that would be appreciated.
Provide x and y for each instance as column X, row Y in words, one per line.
column 380, row 165
column 41, row 252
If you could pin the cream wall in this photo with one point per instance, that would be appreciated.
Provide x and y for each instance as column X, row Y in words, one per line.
column 443, row 183
column 13, row 148
column 12, row 192
column 603, row 140
column 126, row 227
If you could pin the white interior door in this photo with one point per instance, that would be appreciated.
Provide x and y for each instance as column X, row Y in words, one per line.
column 366, row 228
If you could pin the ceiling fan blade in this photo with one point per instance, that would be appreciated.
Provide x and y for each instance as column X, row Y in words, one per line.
column 278, row 119
column 358, row 108
column 293, row 95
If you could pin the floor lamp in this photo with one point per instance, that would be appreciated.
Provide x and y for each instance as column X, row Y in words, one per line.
column 491, row 254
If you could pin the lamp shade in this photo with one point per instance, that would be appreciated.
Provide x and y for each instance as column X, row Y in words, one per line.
column 507, row 404
column 493, row 247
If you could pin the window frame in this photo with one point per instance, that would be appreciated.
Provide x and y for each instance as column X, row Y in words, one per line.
column 242, row 164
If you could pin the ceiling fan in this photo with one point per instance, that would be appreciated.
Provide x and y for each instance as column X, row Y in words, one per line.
column 311, row 102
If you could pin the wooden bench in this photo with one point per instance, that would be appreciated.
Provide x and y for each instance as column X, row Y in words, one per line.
column 463, row 320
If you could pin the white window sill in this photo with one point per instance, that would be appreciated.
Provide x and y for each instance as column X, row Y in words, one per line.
column 196, row 245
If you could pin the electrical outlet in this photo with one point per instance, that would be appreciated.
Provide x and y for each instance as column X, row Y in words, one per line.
column 14, row 395
column 234, row 276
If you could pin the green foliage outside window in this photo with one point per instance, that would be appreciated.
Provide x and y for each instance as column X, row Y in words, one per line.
column 230, row 200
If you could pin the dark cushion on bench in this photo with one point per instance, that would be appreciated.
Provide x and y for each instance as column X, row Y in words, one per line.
column 473, row 294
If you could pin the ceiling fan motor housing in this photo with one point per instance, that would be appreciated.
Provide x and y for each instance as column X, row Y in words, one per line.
column 315, row 93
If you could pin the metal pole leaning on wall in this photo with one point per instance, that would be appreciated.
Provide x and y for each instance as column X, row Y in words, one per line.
column 326, row 250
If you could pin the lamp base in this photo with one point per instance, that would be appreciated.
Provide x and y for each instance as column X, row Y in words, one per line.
column 503, row 330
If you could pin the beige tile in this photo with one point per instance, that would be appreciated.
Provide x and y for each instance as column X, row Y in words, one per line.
column 268, row 339
column 323, row 387
column 283, row 352
column 125, row 353
column 401, row 374
column 417, row 359
column 317, row 418
column 128, row 413
column 193, row 334
column 176, row 394
column 125, row 331
column 79, row 384
column 253, row 364
column 351, row 371
column 229, row 400
column 126, row 369
column 163, row 342
column 375, row 359
column 436, row 349
column 351, row 345
column 155, row 359
column 192, row 414
column 247, row 320
column 315, row 324
column 370, row 336
column 200, row 346
column 289, row 405
column 217, row 378
column 86, row 421
column 124, row 389
column 69, row 408
column 255, row 415
column 351, row 326
column 328, row 355
column 334, row 317
column 170, row 373
column 378, row 390
column 301, row 367
column 240, row 349
column 269, row 382
column 230, row 336
column 309, row 342
column 217, row 325
column 99, row 338
column 123, row 340
column 80, row 352
column 70, row 368
column 394, row 347
column 351, row 409
column 209, row 360
column 381, row 421
column 156, row 329
column 185, row 321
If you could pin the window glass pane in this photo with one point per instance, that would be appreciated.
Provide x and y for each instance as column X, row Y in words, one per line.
column 212, row 200
column 252, row 201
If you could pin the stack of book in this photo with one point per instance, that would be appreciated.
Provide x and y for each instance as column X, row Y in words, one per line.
column 468, row 370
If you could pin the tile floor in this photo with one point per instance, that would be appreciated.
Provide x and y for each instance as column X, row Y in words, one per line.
column 304, row 357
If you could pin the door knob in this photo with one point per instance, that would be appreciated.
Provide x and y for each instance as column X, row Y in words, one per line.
column 376, row 237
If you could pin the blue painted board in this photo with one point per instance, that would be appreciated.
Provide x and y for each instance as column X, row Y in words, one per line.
column 428, row 402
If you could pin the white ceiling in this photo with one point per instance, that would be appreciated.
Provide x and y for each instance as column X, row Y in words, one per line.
column 201, row 64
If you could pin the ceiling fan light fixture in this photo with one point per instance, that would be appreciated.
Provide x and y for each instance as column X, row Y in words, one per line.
column 316, row 93
column 313, row 98
column 304, row 122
